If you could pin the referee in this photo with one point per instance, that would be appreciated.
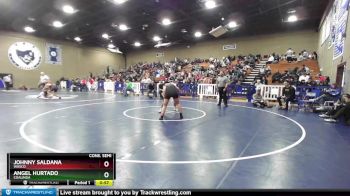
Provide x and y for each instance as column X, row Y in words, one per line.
column 222, row 82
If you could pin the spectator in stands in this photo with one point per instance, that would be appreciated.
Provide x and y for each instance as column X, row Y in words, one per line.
column 305, row 69
column 270, row 60
column 315, row 56
column 289, row 55
column 264, row 80
column 310, row 82
column 305, row 54
column 277, row 58
column 300, row 58
column 303, row 78
column 321, row 79
column 43, row 80
column 294, row 57
column 8, row 81
column 222, row 83
column 342, row 112
column 288, row 95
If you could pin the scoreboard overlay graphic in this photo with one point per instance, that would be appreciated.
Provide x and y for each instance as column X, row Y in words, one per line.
column 61, row 168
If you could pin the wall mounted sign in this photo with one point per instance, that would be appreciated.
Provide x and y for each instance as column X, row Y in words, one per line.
column 24, row 55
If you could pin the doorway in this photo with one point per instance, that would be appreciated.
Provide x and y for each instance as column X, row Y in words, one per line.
column 340, row 80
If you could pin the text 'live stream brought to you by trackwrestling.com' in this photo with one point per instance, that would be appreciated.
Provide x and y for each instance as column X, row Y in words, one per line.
column 115, row 192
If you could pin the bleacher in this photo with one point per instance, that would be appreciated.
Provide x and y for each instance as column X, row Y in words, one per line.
column 284, row 65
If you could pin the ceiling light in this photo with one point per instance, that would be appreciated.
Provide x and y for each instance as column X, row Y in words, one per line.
column 156, row 38
column 222, row 18
column 166, row 21
column 115, row 50
column 210, row 4
column 137, row 44
column 105, row 36
column 183, row 31
column 119, row 1
column 232, row 24
column 68, row 9
column 111, row 46
column 291, row 11
column 78, row 39
column 57, row 24
column 29, row 29
column 198, row 34
column 123, row 27
column 292, row 18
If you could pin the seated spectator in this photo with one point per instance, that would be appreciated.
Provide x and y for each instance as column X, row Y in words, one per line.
column 270, row 60
column 305, row 54
column 322, row 79
column 258, row 100
column 289, row 55
column 341, row 111
column 300, row 58
column 277, row 58
column 294, row 57
column 264, row 80
column 305, row 69
column 310, row 82
column 288, row 95
column 303, row 79
column 331, row 109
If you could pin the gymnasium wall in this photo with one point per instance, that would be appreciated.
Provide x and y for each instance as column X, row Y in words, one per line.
column 329, row 65
column 77, row 61
column 264, row 44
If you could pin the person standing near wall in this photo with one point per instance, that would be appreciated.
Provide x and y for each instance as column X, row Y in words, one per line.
column 8, row 81
column 222, row 83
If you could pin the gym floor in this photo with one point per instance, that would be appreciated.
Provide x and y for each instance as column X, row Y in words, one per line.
column 238, row 147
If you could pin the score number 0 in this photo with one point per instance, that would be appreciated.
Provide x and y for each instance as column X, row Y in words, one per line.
column 106, row 164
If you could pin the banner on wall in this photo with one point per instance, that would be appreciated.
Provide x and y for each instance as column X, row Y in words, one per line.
column 342, row 16
column 338, row 49
column 53, row 54
column 159, row 54
column 24, row 55
column 229, row 47
column 333, row 24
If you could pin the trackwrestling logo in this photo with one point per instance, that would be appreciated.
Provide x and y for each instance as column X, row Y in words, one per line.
column 29, row 192
column 24, row 55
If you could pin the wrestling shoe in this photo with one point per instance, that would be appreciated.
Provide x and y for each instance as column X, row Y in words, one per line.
column 324, row 116
column 330, row 120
